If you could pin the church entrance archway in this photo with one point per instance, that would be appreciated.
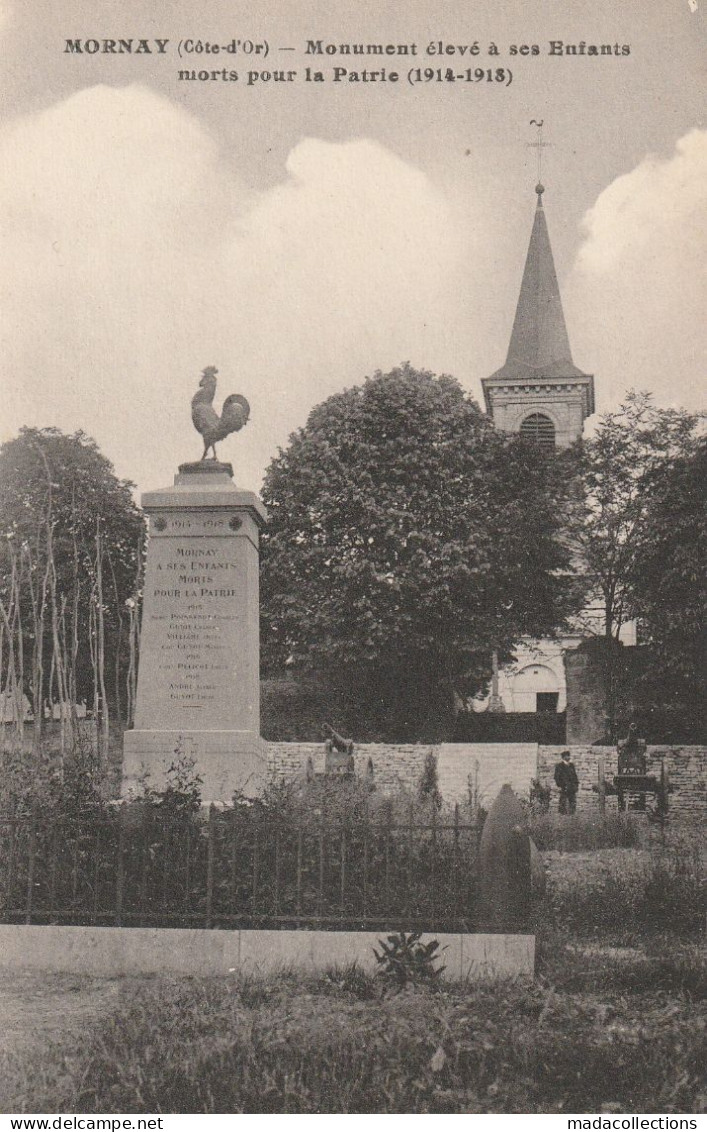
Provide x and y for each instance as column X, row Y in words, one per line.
column 536, row 688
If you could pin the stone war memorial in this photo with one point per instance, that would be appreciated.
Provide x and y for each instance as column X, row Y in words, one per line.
column 198, row 694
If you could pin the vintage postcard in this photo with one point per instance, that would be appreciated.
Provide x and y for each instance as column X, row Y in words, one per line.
column 216, row 219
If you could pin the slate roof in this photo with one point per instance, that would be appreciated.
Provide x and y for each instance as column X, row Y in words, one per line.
column 539, row 344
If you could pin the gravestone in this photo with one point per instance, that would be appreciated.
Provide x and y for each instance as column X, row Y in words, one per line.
column 198, row 692
column 506, row 867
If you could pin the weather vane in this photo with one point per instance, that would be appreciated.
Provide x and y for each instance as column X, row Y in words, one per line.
column 540, row 145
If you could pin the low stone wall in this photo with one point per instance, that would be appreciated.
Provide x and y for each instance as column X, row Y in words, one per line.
column 484, row 767
column 686, row 767
column 462, row 768
column 199, row 952
column 395, row 767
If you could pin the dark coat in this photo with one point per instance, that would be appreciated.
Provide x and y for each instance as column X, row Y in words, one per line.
column 566, row 777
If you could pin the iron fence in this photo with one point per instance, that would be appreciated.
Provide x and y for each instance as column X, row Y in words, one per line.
column 234, row 868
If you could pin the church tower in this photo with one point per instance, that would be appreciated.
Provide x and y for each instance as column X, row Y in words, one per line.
column 539, row 391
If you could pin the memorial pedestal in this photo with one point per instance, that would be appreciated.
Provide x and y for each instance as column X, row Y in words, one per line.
column 198, row 694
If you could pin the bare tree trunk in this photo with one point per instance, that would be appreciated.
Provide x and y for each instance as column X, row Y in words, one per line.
column 134, row 635
column 131, row 679
column 76, row 589
column 58, row 666
column 20, row 681
column 101, row 647
column 9, row 688
column 118, row 642
column 92, row 635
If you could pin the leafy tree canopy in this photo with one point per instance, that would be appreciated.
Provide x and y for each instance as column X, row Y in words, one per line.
column 622, row 466
column 627, row 470
column 407, row 540
column 670, row 590
column 47, row 473
column 57, row 493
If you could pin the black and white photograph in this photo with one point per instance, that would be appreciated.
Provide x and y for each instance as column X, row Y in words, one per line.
column 352, row 562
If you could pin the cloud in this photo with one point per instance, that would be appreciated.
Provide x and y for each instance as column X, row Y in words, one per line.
column 136, row 256
column 637, row 294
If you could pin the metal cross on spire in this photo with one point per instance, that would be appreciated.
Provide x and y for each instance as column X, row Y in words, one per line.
column 540, row 145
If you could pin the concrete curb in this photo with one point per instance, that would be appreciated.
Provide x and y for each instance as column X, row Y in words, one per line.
column 197, row 951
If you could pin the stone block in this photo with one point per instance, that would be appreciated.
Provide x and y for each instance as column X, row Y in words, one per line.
column 198, row 692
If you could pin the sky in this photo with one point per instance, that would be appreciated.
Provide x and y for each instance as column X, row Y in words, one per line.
column 302, row 235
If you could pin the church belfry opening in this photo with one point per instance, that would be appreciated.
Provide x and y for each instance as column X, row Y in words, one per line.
column 539, row 391
column 540, row 429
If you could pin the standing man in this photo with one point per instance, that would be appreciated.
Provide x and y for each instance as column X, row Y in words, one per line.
column 567, row 782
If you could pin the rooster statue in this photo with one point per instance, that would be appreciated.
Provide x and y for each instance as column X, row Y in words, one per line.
column 234, row 415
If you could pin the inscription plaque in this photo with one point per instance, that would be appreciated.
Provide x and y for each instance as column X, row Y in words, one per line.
column 199, row 676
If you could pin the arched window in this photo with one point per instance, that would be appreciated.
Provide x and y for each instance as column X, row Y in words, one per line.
column 540, row 429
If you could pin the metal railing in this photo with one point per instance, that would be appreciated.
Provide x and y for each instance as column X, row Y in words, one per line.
column 238, row 868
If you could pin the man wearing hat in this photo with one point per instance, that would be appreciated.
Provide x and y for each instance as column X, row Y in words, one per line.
column 567, row 782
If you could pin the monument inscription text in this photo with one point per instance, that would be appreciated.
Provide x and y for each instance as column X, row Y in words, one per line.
column 197, row 622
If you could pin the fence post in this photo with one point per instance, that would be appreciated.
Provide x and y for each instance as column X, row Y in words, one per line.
column 234, row 862
column 456, row 871
column 276, row 889
column 256, row 863
column 75, row 861
column 144, row 860
column 342, row 890
column 320, row 902
column 10, row 899
column 53, row 845
column 187, row 869
column 411, row 820
column 434, row 863
column 96, row 872
column 601, row 786
column 30, row 863
column 299, row 872
column 211, row 830
column 366, row 836
column 120, row 872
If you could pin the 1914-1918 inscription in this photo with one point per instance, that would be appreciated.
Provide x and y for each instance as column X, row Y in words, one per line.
column 196, row 622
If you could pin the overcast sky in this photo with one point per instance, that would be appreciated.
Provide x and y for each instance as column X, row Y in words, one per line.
column 300, row 236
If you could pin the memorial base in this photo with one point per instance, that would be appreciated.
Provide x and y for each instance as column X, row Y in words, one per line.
column 227, row 762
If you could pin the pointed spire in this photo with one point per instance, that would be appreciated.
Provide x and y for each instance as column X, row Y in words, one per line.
column 539, row 343
column 539, row 375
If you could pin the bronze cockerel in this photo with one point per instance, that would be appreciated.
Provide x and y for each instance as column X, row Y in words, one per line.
column 234, row 414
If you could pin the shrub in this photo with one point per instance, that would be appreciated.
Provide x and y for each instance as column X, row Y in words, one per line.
column 404, row 959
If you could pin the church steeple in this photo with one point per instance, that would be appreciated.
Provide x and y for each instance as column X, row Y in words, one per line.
column 539, row 342
column 539, row 391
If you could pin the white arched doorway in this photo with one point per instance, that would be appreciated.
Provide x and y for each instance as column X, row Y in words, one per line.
column 536, row 688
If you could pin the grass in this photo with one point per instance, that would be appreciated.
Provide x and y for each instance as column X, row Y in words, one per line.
column 626, row 896
column 634, row 1042
column 615, row 1021
column 594, row 831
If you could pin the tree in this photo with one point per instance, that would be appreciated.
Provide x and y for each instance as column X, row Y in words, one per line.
column 620, row 470
column 70, row 550
column 670, row 592
column 408, row 539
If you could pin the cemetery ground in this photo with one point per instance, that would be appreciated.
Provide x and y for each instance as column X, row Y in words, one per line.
column 614, row 1021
